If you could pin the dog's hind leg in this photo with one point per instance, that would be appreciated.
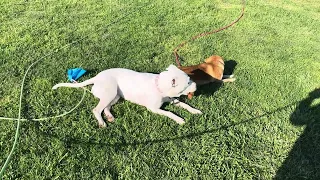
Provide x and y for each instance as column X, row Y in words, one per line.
column 98, row 110
column 107, row 112
column 106, row 95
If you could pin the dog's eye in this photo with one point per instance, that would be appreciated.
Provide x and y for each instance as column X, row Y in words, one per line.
column 173, row 82
column 189, row 81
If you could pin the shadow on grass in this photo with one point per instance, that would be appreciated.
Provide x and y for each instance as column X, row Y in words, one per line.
column 303, row 161
column 71, row 141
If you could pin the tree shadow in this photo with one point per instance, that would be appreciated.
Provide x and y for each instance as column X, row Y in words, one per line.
column 303, row 161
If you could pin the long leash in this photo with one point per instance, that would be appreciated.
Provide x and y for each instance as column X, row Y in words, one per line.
column 19, row 119
column 206, row 34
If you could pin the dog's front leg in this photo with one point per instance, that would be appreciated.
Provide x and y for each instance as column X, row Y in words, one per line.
column 228, row 78
column 185, row 106
column 169, row 114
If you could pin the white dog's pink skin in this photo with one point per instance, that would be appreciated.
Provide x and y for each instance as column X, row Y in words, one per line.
column 146, row 89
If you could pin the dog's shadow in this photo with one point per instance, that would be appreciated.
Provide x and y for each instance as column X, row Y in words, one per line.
column 70, row 141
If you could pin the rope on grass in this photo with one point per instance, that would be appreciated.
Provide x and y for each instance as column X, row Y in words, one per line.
column 175, row 51
column 51, row 117
column 20, row 109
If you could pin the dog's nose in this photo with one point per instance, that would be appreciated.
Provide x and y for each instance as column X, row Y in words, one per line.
column 190, row 95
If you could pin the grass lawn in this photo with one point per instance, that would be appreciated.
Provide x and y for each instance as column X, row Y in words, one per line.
column 263, row 126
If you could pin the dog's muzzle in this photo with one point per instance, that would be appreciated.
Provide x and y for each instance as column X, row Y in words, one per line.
column 191, row 89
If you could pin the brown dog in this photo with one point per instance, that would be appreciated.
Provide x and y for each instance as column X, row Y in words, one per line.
column 209, row 71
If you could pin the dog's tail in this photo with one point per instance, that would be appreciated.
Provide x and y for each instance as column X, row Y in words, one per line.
column 74, row 85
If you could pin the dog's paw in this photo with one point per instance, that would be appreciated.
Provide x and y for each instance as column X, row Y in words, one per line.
column 196, row 111
column 180, row 121
column 110, row 119
column 102, row 125
column 229, row 80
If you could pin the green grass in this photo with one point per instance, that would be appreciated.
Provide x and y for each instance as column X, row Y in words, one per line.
column 260, row 127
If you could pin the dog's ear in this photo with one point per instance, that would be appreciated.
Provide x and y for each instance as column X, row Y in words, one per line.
column 172, row 68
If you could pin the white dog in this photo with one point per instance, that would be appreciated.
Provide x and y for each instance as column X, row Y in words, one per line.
column 146, row 89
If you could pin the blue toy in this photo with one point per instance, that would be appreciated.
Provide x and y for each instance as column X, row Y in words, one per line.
column 76, row 73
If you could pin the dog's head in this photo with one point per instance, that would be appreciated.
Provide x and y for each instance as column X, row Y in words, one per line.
column 173, row 82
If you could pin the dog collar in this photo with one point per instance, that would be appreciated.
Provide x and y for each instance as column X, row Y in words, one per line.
column 157, row 84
